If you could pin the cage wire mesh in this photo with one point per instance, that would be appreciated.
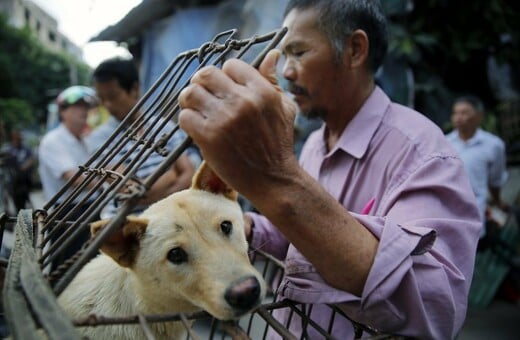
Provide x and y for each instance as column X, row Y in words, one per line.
column 33, row 280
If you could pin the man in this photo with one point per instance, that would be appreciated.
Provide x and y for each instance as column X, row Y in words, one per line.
column 62, row 150
column 117, row 82
column 23, row 162
column 117, row 85
column 403, row 265
column 483, row 154
column 378, row 215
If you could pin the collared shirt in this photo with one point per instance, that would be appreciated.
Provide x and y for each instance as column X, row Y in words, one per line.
column 147, row 165
column 425, row 217
column 484, row 157
column 98, row 137
column 59, row 152
column 100, row 134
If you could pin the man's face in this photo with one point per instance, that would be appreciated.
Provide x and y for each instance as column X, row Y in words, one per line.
column 315, row 76
column 74, row 117
column 465, row 117
column 116, row 99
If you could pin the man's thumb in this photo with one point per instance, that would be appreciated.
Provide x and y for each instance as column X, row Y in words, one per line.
column 268, row 67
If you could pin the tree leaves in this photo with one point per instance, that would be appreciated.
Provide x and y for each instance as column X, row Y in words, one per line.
column 31, row 75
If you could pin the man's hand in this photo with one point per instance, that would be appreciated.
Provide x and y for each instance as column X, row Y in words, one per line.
column 242, row 122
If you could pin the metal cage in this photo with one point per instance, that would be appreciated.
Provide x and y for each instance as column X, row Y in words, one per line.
column 42, row 236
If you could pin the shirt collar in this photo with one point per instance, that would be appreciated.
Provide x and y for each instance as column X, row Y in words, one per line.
column 359, row 132
column 477, row 138
column 67, row 134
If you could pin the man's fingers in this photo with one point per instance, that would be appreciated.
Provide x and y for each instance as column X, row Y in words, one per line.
column 214, row 81
column 196, row 97
column 192, row 122
column 268, row 67
column 244, row 74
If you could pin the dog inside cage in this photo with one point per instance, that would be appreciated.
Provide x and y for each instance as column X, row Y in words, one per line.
column 180, row 269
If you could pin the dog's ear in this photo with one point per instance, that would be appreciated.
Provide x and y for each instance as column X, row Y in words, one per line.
column 123, row 244
column 206, row 179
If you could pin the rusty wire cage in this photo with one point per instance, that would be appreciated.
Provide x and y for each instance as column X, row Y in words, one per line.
column 32, row 282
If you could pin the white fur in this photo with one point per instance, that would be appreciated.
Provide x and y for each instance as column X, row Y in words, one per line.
column 188, row 219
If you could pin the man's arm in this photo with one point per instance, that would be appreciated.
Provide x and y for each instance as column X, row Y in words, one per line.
column 497, row 173
column 29, row 162
column 496, row 198
column 67, row 175
column 244, row 126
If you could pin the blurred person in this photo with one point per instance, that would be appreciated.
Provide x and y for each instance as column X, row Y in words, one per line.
column 377, row 216
column 23, row 162
column 62, row 150
column 483, row 154
column 116, row 81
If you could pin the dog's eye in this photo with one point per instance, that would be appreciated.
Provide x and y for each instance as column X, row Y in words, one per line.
column 177, row 256
column 226, row 227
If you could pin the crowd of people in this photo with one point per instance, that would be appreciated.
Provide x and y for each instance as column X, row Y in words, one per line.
column 378, row 211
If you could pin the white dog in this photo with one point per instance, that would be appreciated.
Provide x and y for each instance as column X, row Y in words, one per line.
column 185, row 253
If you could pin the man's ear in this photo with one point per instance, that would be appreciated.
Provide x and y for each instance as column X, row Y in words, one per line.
column 206, row 179
column 357, row 46
column 123, row 244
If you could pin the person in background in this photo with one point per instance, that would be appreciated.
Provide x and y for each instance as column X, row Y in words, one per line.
column 60, row 153
column 378, row 215
column 23, row 163
column 116, row 81
column 483, row 154
column 63, row 148
column 119, row 80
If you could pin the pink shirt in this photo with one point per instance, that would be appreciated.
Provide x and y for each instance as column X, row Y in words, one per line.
column 424, row 215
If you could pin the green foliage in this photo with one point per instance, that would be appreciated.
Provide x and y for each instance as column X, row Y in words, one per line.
column 15, row 113
column 447, row 45
column 31, row 74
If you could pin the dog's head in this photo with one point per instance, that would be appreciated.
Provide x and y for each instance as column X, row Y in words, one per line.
column 190, row 249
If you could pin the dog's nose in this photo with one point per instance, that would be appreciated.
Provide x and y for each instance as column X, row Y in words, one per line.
column 243, row 293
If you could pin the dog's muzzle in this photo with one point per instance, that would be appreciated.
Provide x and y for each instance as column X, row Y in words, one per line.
column 244, row 294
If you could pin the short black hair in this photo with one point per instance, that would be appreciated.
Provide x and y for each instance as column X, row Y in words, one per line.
column 471, row 100
column 121, row 69
column 340, row 18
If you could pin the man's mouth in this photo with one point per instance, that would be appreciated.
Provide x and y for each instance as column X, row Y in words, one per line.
column 296, row 90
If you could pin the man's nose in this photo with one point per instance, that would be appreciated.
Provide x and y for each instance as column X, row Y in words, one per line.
column 289, row 71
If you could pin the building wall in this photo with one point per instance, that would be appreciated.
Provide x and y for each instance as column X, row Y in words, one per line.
column 190, row 27
column 23, row 13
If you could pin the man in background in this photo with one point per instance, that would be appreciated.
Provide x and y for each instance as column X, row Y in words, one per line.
column 116, row 81
column 483, row 154
column 23, row 161
column 62, row 150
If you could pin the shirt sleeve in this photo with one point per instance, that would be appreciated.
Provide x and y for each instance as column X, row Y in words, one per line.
column 497, row 172
column 420, row 279
column 56, row 157
column 266, row 237
column 428, row 226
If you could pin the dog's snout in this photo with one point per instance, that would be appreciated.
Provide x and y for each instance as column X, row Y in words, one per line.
column 243, row 294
